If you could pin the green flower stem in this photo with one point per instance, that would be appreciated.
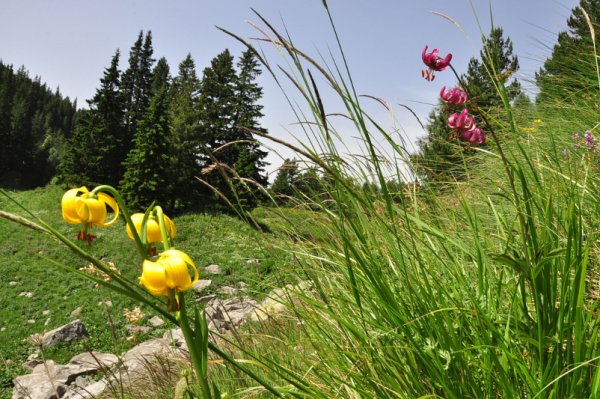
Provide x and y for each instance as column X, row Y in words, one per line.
column 138, row 242
column 188, row 334
column 166, row 239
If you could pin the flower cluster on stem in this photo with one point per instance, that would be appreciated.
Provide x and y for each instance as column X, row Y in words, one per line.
column 462, row 123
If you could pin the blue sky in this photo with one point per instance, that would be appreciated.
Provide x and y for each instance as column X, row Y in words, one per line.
column 68, row 43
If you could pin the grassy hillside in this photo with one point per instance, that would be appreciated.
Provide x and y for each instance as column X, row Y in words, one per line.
column 25, row 268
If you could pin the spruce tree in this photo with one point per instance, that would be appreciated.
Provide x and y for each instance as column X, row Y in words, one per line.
column 148, row 167
column 286, row 181
column 570, row 72
column 99, row 144
column 186, row 134
column 217, row 108
column 161, row 77
column 137, row 82
column 228, row 104
column 248, row 113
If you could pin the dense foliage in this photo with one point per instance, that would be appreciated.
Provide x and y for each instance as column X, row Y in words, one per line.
column 154, row 135
column 34, row 123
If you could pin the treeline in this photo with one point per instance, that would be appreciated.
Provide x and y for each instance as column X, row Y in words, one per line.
column 34, row 124
column 152, row 134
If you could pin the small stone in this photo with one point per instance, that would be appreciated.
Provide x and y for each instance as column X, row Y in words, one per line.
column 26, row 294
column 3, row 329
column 137, row 330
column 213, row 269
column 72, row 331
column 156, row 321
column 75, row 313
column 253, row 261
column 108, row 304
column 13, row 283
column 45, row 313
column 201, row 285
column 227, row 290
column 31, row 321
column 242, row 285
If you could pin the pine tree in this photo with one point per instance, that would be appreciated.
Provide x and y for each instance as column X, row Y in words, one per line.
column 33, row 123
column 286, row 182
column 99, row 144
column 440, row 158
column 228, row 104
column 161, row 77
column 186, row 133
column 248, row 113
column 148, row 167
column 136, row 82
column 570, row 72
column 217, row 107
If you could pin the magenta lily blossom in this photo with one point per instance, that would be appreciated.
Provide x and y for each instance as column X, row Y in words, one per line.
column 434, row 63
column 453, row 96
column 475, row 136
column 462, row 122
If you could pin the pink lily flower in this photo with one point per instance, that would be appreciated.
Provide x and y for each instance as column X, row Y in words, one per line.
column 462, row 122
column 475, row 136
column 454, row 96
column 434, row 63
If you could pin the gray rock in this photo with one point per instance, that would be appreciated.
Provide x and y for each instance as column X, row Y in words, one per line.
column 227, row 290
column 137, row 330
column 253, row 262
column 156, row 321
column 3, row 329
column 108, row 304
column 45, row 313
column 213, row 269
column 137, row 358
column 95, row 360
column 201, row 285
column 26, row 294
column 31, row 321
column 49, row 380
column 89, row 391
column 206, row 298
column 72, row 331
column 75, row 313
column 230, row 313
column 13, row 283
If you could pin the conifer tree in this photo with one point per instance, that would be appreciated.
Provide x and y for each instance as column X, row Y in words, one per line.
column 99, row 143
column 217, row 107
column 33, row 123
column 186, row 134
column 570, row 72
column 161, row 77
column 136, row 82
column 286, row 181
column 229, row 101
column 148, row 167
column 248, row 113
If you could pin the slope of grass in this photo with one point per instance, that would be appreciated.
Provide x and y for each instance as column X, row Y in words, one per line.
column 243, row 253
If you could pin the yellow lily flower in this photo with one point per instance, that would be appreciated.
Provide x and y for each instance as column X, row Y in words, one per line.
column 152, row 227
column 79, row 207
column 169, row 273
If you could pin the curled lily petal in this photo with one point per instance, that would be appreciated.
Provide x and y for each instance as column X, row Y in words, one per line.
column 154, row 278
column 90, row 210
column 112, row 204
column 153, row 233
column 169, row 273
column 69, row 212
